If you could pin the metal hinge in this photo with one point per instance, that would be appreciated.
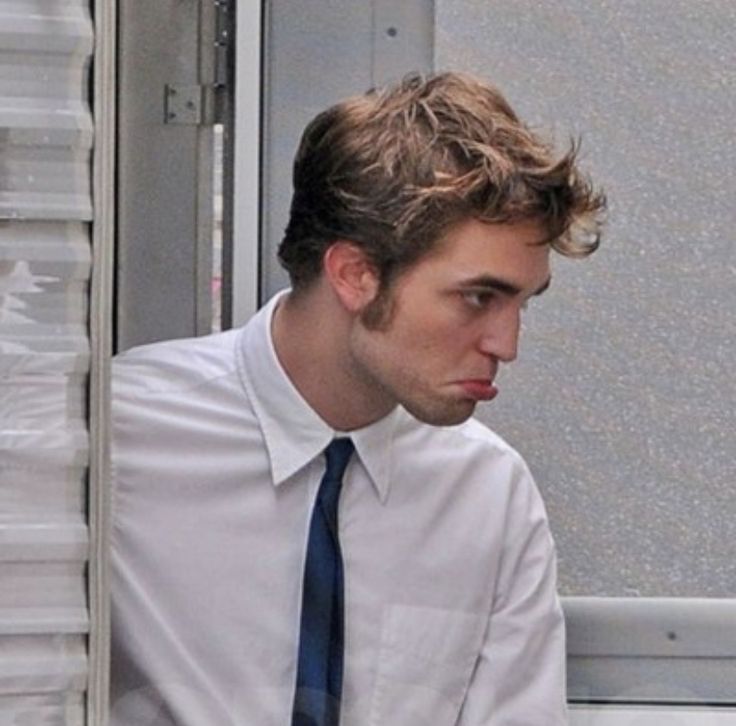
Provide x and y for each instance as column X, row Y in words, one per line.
column 223, row 36
column 194, row 105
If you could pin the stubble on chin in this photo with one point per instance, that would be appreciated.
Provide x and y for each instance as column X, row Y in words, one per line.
column 436, row 413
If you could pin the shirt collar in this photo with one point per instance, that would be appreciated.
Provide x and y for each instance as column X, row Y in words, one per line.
column 293, row 432
column 375, row 447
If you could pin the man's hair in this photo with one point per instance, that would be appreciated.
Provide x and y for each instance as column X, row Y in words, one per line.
column 393, row 169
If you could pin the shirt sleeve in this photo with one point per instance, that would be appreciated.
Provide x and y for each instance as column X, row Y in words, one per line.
column 519, row 679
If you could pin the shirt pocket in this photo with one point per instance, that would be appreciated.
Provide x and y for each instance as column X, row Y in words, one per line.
column 425, row 662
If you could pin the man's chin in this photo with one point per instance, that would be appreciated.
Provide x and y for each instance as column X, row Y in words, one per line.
column 442, row 414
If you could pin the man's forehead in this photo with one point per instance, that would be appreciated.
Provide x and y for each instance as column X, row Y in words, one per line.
column 488, row 249
column 528, row 233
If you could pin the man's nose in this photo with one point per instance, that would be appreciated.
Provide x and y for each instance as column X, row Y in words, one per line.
column 501, row 335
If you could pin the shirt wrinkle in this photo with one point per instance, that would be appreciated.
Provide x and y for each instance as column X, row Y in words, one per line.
column 147, row 374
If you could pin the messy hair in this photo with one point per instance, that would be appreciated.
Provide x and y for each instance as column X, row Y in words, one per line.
column 393, row 169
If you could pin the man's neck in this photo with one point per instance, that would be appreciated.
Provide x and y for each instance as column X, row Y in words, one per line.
column 310, row 335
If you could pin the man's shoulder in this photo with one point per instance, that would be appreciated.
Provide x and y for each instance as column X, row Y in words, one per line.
column 471, row 439
column 475, row 430
column 470, row 431
column 468, row 463
column 172, row 366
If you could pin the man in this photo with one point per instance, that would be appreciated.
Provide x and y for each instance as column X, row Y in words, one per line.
column 421, row 225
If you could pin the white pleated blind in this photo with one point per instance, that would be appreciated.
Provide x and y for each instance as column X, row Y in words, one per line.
column 46, row 135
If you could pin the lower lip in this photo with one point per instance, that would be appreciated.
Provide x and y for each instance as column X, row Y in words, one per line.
column 479, row 390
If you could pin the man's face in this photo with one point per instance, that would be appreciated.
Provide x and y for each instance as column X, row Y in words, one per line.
column 453, row 317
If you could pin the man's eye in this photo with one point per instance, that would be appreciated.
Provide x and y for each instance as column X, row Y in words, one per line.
column 478, row 300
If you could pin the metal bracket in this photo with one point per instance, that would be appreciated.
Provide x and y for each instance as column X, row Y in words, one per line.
column 223, row 32
column 201, row 104
column 183, row 105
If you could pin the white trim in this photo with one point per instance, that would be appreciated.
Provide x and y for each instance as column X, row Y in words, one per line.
column 650, row 716
column 246, row 172
column 103, row 231
column 651, row 650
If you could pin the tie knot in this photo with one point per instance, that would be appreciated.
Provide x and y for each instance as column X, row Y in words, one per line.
column 337, row 455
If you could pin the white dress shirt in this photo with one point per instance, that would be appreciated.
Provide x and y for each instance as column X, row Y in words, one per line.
column 451, row 613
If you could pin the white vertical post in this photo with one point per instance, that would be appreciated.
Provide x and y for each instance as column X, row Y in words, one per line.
column 246, row 171
column 103, row 232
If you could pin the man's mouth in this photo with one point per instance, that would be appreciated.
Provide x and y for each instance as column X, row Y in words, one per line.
column 479, row 389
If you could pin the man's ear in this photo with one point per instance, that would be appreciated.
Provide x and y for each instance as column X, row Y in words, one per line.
column 351, row 275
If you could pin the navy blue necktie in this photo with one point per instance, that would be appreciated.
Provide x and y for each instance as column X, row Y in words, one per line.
column 319, row 671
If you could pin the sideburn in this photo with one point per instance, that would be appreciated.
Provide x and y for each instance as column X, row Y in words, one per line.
column 379, row 313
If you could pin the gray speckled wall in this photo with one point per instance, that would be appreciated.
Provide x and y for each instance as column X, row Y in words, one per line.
column 623, row 398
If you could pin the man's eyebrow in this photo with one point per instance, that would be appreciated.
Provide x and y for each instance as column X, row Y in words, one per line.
column 503, row 286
